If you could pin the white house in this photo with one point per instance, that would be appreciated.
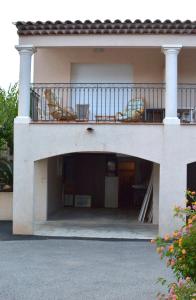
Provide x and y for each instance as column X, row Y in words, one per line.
column 112, row 104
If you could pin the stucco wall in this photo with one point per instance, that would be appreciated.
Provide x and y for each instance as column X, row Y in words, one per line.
column 108, row 40
column 40, row 189
column 149, row 142
column 165, row 145
column 6, row 200
column 187, row 66
column 54, row 64
column 54, row 185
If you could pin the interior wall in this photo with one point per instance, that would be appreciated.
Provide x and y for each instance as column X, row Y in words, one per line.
column 54, row 184
column 137, row 175
column 54, row 64
column 187, row 66
column 126, row 174
column 87, row 176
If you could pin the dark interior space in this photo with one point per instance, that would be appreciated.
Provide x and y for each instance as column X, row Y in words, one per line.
column 191, row 176
column 84, row 174
column 109, row 180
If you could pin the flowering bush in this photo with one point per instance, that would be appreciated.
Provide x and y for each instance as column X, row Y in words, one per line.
column 179, row 249
column 182, row 290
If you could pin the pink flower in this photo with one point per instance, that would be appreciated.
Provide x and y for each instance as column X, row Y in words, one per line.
column 171, row 291
column 187, row 230
column 180, row 282
column 173, row 262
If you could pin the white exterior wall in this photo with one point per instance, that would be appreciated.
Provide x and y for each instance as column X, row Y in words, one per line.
column 109, row 40
column 53, row 65
column 40, row 190
column 168, row 146
column 164, row 145
column 54, row 185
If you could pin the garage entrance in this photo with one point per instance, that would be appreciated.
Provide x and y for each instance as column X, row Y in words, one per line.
column 191, row 176
column 104, row 180
column 99, row 195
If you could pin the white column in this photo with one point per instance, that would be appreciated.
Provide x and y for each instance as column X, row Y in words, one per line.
column 171, row 76
column 40, row 190
column 171, row 192
column 25, row 52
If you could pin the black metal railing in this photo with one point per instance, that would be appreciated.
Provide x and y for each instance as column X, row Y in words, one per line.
column 108, row 102
column 187, row 103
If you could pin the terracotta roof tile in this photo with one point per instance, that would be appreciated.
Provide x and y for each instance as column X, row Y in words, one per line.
column 106, row 27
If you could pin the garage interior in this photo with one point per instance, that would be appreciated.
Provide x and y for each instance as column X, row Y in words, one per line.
column 99, row 193
column 191, row 176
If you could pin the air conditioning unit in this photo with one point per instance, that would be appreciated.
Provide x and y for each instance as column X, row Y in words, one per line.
column 82, row 201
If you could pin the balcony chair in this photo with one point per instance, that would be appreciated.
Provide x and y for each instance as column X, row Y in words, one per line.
column 82, row 112
column 56, row 110
column 134, row 111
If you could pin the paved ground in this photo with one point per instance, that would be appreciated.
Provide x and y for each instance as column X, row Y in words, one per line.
column 58, row 269
column 96, row 223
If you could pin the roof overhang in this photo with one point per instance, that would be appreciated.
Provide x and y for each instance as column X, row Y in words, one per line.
column 107, row 33
column 109, row 41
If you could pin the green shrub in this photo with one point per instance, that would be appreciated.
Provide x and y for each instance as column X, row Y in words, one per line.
column 8, row 111
column 6, row 174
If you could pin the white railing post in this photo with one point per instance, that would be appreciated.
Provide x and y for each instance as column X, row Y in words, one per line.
column 171, row 80
column 26, row 52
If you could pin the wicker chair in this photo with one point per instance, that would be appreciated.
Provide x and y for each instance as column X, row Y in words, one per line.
column 134, row 111
column 55, row 110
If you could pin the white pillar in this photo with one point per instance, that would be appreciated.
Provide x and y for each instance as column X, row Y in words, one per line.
column 25, row 52
column 171, row 76
column 171, row 192
column 40, row 190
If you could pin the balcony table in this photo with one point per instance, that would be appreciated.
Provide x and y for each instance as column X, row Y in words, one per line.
column 105, row 118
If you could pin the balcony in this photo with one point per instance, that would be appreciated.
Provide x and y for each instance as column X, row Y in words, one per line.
column 121, row 103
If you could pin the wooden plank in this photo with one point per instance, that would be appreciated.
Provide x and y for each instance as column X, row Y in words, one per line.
column 146, row 200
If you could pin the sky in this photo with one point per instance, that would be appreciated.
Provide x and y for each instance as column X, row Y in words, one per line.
column 43, row 10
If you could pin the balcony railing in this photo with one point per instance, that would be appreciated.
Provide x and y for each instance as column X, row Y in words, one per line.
column 108, row 102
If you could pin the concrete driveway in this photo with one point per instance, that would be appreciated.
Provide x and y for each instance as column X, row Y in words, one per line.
column 79, row 270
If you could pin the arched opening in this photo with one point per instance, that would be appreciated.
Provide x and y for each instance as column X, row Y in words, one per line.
column 99, row 191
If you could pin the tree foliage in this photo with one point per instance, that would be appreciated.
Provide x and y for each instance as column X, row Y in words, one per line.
column 8, row 111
